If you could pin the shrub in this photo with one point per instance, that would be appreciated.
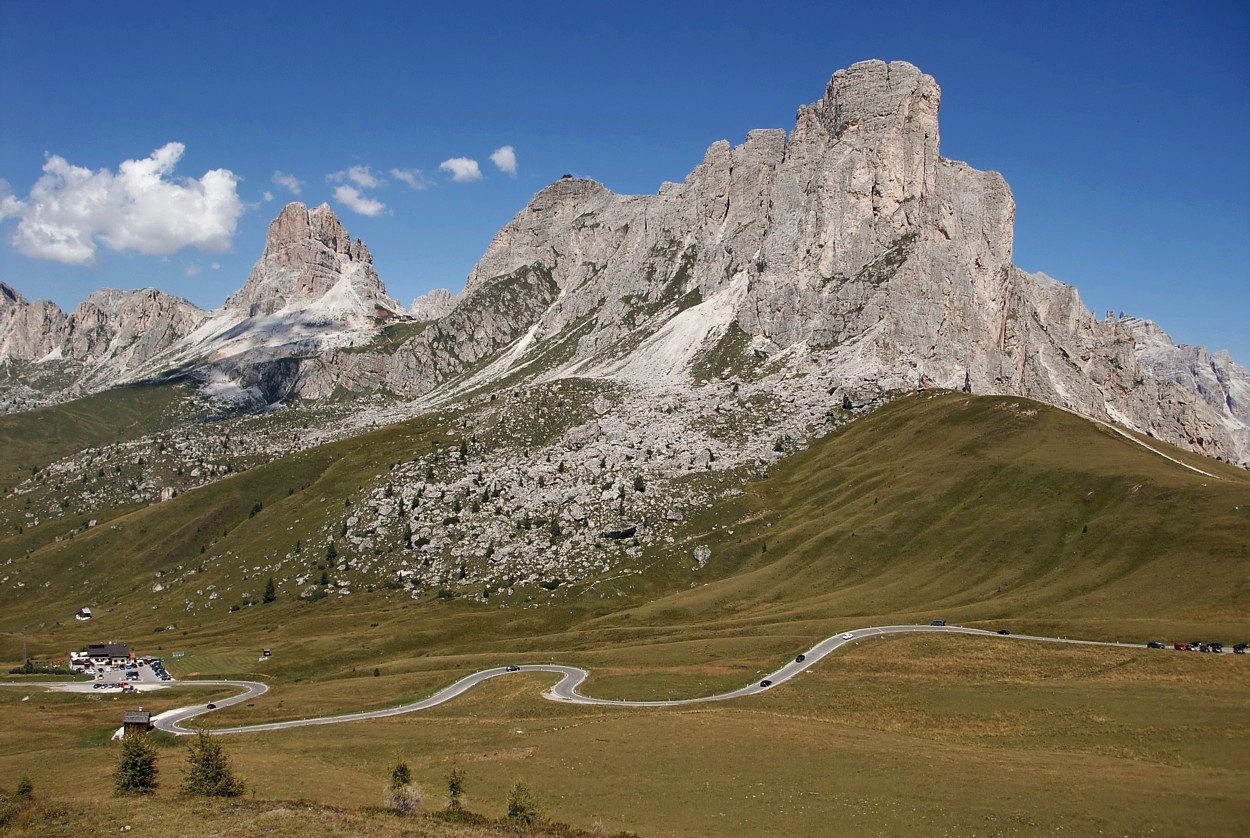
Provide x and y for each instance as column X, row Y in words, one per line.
column 404, row 799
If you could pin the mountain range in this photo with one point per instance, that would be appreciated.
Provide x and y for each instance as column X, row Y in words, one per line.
column 793, row 276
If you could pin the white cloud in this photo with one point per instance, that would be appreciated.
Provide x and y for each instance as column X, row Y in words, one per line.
column 267, row 196
column 353, row 200
column 216, row 266
column 462, row 169
column 415, row 178
column 289, row 182
column 362, row 176
column 71, row 210
column 9, row 205
column 193, row 270
column 504, row 159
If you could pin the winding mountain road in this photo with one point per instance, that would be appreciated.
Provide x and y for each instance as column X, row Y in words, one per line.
column 564, row 690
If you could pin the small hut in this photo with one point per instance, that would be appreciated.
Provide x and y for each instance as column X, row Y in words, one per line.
column 136, row 722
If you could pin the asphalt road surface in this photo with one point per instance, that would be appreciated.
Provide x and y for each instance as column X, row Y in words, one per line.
column 564, row 690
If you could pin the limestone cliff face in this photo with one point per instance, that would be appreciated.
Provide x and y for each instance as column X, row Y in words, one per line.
column 314, row 289
column 309, row 258
column 851, row 244
column 108, row 338
column 848, row 254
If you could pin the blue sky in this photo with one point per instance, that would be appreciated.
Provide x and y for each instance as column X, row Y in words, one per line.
column 1122, row 130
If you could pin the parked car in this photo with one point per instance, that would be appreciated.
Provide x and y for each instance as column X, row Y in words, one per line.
column 766, row 683
column 1181, row 647
column 1003, row 631
column 1154, row 644
column 938, row 623
column 1240, row 648
column 211, row 706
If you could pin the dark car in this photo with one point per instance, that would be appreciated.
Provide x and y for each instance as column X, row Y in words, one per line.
column 1215, row 646
column 1240, row 648
column 211, row 706
column 800, row 658
column 1003, row 631
column 766, row 683
column 1154, row 644
column 512, row 667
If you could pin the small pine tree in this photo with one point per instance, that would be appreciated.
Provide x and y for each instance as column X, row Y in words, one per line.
column 640, row 485
column 401, row 774
column 25, row 788
column 332, row 552
column 325, row 578
column 136, row 767
column 271, row 593
column 455, row 788
column 401, row 794
column 523, row 806
column 208, row 770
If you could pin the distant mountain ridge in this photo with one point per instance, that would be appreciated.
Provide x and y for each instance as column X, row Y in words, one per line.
column 831, row 264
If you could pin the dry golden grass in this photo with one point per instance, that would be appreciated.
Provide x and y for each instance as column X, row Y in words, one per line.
column 907, row 735
column 995, row 513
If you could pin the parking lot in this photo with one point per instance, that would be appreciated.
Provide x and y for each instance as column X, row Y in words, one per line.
column 142, row 675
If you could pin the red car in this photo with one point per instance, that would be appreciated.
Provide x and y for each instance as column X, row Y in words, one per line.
column 1180, row 647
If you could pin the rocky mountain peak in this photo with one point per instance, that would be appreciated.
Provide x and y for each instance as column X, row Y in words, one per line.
column 9, row 296
column 873, row 98
column 308, row 255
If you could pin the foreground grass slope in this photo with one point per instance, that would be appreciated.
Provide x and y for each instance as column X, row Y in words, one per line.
column 996, row 512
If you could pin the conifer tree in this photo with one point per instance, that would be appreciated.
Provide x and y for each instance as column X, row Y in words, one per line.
column 208, row 771
column 523, row 808
column 136, row 767
column 455, row 788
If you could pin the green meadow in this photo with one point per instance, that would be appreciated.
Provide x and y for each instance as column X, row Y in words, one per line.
column 998, row 513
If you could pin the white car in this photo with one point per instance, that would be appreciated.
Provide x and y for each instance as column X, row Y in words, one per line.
column 848, row 636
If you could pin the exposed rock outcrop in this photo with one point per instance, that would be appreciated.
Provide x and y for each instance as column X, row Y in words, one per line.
column 433, row 305
column 311, row 262
column 849, row 246
column 834, row 263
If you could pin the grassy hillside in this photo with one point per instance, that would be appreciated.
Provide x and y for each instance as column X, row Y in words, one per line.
column 34, row 438
column 996, row 512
